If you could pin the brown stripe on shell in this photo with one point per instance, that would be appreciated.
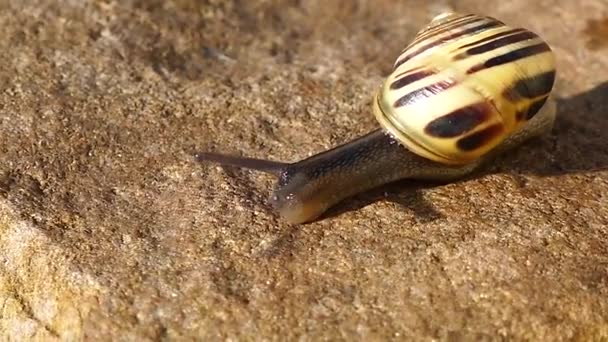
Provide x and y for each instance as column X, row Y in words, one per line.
column 531, row 87
column 459, row 121
column 455, row 18
column 532, row 110
column 464, row 21
column 410, row 78
column 492, row 37
column 409, row 71
column 510, row 57
column 449, row 25
column 478, row 139
column 427, row 91
column 501, row 42
column 432, row 44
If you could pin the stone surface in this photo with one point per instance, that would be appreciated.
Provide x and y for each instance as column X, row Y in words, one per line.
column 109, row 229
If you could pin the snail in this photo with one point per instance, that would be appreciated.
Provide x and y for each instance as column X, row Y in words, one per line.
column 467, row 88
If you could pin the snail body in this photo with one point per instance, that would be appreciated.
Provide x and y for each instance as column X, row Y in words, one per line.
column 467, row 88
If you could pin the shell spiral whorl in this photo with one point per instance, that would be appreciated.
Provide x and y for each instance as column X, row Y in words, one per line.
column 464, row 84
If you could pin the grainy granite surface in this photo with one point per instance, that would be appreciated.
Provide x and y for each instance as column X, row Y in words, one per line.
column 110, row 231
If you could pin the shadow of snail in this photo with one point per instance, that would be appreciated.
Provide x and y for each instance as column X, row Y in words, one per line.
column 445, row 116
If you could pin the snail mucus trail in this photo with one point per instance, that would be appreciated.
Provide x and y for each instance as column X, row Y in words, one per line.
column 467, row 88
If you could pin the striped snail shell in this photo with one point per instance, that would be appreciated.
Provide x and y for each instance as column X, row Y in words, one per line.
column 467, row 88
column 463, row 85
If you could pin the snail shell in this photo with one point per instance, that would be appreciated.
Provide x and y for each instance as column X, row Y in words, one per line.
column 463, row 85
column 467, row 88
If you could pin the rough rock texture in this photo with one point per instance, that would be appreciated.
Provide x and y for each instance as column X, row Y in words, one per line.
column 110, row 230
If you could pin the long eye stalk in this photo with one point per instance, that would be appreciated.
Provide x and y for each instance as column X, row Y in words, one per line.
column 263, row 165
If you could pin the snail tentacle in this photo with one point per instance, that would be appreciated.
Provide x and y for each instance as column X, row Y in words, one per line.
column 263, row 165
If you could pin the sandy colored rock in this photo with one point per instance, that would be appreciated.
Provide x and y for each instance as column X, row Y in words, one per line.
column 109, row 229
